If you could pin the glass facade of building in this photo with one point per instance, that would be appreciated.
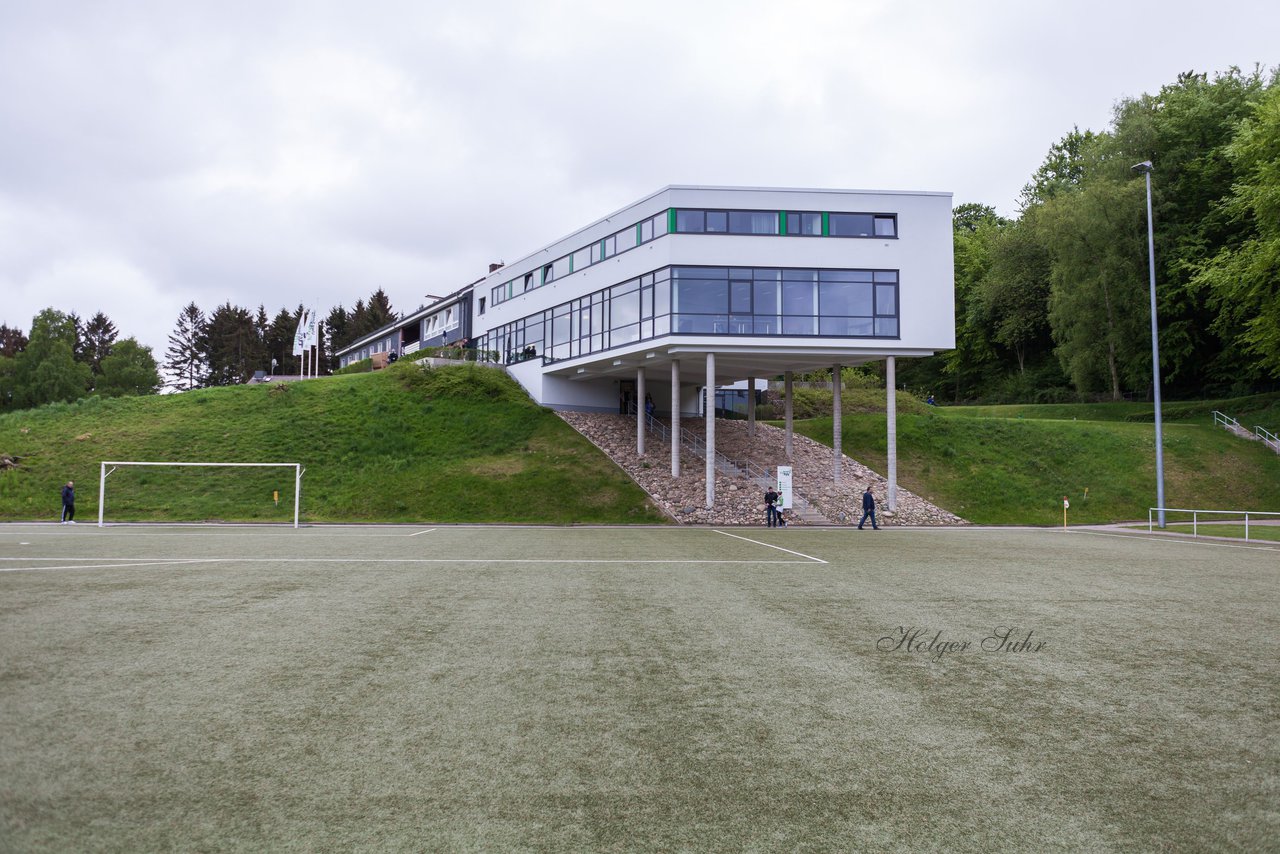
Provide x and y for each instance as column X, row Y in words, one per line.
column 701, row 221
column 743, row 301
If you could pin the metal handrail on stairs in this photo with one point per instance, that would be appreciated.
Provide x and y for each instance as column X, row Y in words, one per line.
column 1262, row 434
column 1226, row 421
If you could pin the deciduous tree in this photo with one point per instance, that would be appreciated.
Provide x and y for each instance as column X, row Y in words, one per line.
column 1098, row 303
column 1242, row 280
column 129, row 369
column 46, row 370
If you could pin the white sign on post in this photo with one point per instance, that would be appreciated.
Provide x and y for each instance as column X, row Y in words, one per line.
column 784, row 487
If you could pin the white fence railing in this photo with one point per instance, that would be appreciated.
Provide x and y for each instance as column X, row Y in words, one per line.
column 1268, row 438
column 1196, row 514
column 1226, row 421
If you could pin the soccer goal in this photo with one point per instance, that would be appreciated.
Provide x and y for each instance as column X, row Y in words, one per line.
column 298, row 471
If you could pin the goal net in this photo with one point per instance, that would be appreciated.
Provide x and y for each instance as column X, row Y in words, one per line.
column 200, row 492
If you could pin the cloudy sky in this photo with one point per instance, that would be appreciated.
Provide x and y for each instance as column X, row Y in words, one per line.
column 252, row 151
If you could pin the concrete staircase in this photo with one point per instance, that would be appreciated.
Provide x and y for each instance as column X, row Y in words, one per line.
column 695, row 442
column 1259, row 434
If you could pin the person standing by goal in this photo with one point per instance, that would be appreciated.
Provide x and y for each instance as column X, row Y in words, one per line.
column 69, row 503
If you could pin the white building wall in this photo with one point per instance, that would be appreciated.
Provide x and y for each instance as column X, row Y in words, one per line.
column 602, row 274
column 921, row 252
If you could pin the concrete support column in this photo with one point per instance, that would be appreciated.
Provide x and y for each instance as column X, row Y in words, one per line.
column 836, row 424
column 751, row 407
column 711, row 429
column 891, row 417
column 640, row 413
column 786, row 393
column 675, row 418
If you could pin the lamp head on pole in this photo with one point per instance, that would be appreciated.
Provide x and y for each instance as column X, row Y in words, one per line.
column 1143, row 167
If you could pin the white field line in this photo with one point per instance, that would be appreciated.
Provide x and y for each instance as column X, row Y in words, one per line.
column 213, row 533
column 197, row 530
column 184, row 562
column 418, row 533
column 176, row 562
column 770, row 545
column 1187, row 542
column 931, row 529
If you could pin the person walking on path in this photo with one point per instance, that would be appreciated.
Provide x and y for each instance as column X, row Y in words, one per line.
column 771, row 514
column 868, row 509
column 69, row 503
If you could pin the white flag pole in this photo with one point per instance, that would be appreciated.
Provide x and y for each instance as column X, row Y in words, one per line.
column 298, row 342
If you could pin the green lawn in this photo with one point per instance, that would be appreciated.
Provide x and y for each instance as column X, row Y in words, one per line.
column 1269, row 533
column 634, row 689
column 1054, row 411
column 1258, row 409
column 462, row 444
column 1015, row 471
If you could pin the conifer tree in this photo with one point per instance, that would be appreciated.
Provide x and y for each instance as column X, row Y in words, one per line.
column 97, row 337
column 187, row 360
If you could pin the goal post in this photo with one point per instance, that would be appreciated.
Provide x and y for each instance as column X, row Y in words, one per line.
column 103, row 473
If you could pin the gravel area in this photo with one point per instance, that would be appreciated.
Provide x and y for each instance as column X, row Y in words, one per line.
column 740, row 501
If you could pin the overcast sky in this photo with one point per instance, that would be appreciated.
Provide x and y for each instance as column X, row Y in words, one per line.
column 156, row 153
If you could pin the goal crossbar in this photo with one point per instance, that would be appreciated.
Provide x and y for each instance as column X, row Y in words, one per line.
column 102, row 479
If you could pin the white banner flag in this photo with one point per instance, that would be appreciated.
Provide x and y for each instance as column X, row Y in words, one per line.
column 300, row 337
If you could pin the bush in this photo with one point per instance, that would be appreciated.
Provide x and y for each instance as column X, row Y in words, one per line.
column 459, row 382
column 363, row 366
column 1057, row 394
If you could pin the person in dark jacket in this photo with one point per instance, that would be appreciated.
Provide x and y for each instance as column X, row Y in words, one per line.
column 868, row 509
column 771, row 514
column 69, row 503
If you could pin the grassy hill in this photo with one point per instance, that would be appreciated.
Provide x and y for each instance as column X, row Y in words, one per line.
column 457, row 444
column 465, row 444
column 1258, row 409
column 1013, row 464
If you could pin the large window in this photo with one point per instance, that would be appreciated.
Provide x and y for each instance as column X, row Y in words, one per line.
column 800, row 223
column 726, row 222
column 709, row 300
column 753, row 222
column 744, row 301
column 805, row 223
column 852, row 225
column 761, row 301
column 700, row 221
column 863, row 225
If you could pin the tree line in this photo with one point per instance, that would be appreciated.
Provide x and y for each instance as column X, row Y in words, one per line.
column 1051, row 305
column 65, row 358
column 232, row 343
column 1054, row 304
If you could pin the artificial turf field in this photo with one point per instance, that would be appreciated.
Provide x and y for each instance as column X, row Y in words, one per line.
column 499, row 689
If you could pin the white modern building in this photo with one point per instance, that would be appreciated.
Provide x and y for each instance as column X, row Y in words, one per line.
column 693, row 288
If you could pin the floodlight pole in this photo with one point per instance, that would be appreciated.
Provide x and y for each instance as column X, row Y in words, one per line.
column 1146, row 168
